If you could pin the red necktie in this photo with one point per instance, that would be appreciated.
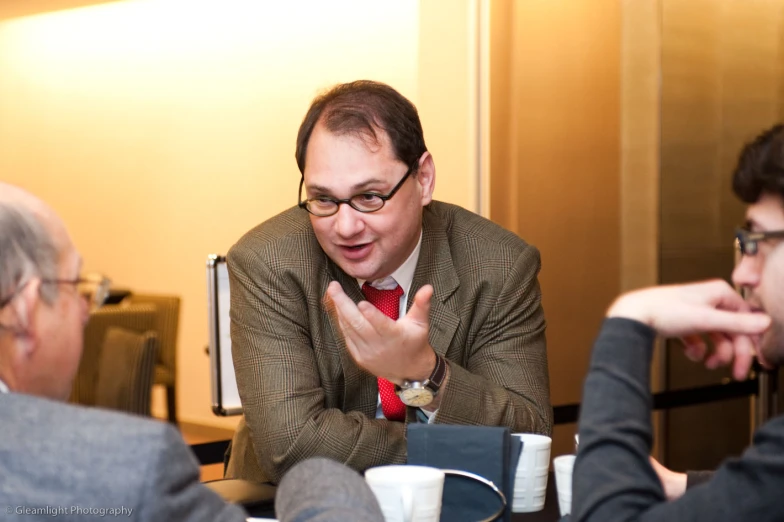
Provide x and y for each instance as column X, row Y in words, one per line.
column 388, row 301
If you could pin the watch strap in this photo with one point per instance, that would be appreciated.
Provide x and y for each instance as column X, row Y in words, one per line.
column 438, row 375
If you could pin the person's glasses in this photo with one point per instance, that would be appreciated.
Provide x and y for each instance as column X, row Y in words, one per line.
column 748, row 241
column 92, row 287
column 323, row 206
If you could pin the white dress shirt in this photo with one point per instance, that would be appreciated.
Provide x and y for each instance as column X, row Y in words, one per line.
column 4, row 387
column 403, row 276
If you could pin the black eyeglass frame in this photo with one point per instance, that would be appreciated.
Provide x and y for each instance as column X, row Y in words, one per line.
column 384, row 198
column 747, row 240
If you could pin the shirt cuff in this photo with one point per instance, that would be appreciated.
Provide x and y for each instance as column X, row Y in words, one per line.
column 430, row 415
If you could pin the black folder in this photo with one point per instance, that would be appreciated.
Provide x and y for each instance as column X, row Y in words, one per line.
column 490, row 452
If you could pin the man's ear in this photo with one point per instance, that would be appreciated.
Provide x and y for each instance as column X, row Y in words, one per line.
column 426, row 177
column 23, row 308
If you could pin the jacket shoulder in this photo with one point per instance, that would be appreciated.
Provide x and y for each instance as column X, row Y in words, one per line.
column 42, row 421
column 98, row 453
column 464, row 228
column 283, row 236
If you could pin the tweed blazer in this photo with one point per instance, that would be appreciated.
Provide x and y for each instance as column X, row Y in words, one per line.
column 302, row 393
column 65, row 462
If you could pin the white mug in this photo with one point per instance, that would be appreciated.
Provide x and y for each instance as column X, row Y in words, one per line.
column 407, row 493
column 533, row 468
column 563, row 482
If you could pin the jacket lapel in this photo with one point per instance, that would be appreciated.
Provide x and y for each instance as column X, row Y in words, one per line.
column 435, row 267
column 360, row 387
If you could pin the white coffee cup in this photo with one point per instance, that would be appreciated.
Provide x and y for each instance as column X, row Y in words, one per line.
column 407, row 493
column 563, row 482
column 530, row 485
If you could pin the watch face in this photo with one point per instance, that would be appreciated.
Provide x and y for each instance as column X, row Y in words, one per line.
column 416, row 397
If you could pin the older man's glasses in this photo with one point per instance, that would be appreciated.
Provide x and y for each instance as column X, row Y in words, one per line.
column 94, row 288
column 748, row 241
column 323, row 206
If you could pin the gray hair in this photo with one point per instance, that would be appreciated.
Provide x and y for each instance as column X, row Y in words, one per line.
column 26, row 251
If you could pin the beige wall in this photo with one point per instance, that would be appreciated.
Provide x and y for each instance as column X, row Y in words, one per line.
column 163, row 130
column 448, row 97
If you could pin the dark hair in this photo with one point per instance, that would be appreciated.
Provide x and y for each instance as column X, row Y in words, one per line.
column 761, row 166
column 360, row 108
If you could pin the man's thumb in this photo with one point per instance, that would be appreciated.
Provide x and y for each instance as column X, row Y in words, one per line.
column 420, row 309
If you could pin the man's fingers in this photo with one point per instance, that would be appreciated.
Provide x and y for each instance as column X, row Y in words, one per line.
column 723, row 351
column 720, row 294
column 349, row 316
column 420, row 308
column 744, row 357
column 694, row 347
column 743, row 323
column 727, row 348
column 374, row 317
column 335, row 292
column 735, row 349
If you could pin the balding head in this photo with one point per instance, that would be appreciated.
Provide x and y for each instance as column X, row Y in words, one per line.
column 15, row 197
column 41, row 313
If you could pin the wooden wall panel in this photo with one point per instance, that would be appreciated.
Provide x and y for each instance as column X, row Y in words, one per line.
column 721, row 86
column 555, row 151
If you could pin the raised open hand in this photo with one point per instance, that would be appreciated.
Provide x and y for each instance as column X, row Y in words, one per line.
column 395, row 350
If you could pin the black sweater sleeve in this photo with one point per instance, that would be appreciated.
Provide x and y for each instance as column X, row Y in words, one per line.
column 613, row 477
column 695, row 478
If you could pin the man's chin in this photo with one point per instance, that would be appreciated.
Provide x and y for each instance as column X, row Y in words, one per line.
column 770, row 353
column 358, row 270
column 764, row 362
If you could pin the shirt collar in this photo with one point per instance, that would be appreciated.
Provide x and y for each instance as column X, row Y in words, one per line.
column 4, row 387
column 403, row 276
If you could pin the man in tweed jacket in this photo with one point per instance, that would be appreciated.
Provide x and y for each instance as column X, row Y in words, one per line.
column 307, row 352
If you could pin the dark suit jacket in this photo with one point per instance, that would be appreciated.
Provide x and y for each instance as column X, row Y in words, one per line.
column 301, row 391
column 59, row 456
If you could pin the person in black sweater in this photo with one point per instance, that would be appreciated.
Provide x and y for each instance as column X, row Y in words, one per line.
column 614, row 478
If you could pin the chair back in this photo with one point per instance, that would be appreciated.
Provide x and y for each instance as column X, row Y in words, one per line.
column 167, row 320
column 125, row 370
column 137, row 318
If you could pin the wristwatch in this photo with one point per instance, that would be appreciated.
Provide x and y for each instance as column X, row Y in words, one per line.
column 422, row 393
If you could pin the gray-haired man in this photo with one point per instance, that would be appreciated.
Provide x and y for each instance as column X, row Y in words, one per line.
column 60, row 460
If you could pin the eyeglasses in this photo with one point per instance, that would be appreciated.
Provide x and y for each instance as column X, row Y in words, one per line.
column 323, row 206
column 92, row 287
column 747, row 240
